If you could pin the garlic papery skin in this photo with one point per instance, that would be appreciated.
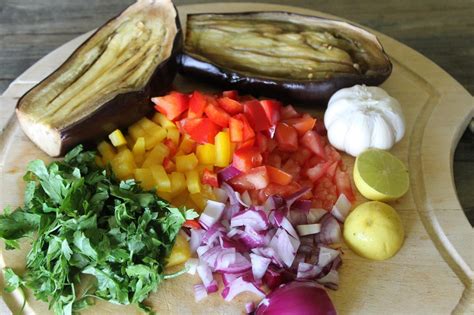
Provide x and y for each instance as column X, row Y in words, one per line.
column 363, row 117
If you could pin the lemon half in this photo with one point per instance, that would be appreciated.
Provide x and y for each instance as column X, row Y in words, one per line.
column 379, row 175
column 374, row 230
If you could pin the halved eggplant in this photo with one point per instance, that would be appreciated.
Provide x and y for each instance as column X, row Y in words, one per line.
column 108, row 81
column 298, row 58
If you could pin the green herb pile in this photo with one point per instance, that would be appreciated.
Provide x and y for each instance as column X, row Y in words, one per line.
column 85, row 222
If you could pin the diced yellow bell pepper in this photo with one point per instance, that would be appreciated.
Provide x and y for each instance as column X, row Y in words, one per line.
column 152, row 139
column 123, row 164
column 162, row 180
column 149, row 126
column 165, row 195
column 136, row 131
column 199, row 200
column 117, row 138
column 180, row 200
column 201, row 168
column 178, row 183
column 189, row 204
column 208, row 192
column 173, row 134
column 157, row 155
column 145, row 177
column 193, row 182
column 222, row 143
column 161, row 119
column 180, row 252
column 139, row 150
column 206, row 153
column 122, row 148
column 186, row 146
column 99, row 161
column 107, row 151
column 186, row 163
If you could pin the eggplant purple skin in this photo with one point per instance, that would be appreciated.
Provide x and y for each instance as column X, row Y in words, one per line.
column 123, row 109
column 292, row 91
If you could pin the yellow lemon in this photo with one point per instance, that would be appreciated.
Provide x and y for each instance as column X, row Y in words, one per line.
column 379, row 175
column 374, row 230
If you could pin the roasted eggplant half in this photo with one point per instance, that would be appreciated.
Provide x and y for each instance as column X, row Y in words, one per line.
column 298, row 58
column 107, row 82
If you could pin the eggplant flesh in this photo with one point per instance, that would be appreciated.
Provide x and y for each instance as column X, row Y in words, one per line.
column 108, row 81
column 296, row 57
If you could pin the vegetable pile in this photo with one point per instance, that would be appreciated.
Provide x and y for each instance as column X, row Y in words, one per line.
column 85, row 222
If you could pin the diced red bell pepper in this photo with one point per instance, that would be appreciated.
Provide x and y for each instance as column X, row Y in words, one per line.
column 246, row 158
column 301, row 124
column 210, row 178
column 247, row 131
column 233, row 94
column 168, row 165
column 289, row 112
column 236, row 127
column 313, row 141
column 272, row 110
column 256, row 178
column 343, row 184
column 217, row 115
column 192, row 224
column 230, row 105
column 201, row 130
column 256, row 115
column 262, row 142
column 171, row 105
column 319, row 170
column 173, row 147
column 197, row 104
column 277, row 176
column 246, row 144
column 287, row 137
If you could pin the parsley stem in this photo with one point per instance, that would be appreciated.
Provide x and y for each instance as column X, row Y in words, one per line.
column 176, row 274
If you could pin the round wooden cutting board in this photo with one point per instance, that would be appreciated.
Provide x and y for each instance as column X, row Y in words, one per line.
column 432, row 273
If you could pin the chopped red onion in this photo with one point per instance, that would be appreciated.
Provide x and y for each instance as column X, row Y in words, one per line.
column 202, row 249
column 227, row 174
column 285, row 246
column 220, row 194
column 341, row 208
column 297, row 217
column 330, row 231
column 212, row 213
column 278, row 201
column 272, row 277
column 230, row 210
column 257, row 220
column 205, row 274
column 307, row 271
column 295, row 196
column 200, row 292
column 269, row 205
column 326, row 256
column 230, row 193
column 238, row 286
column 241, row 264
column 269, row 252
column 227, row 242
column 212, row 234
column 259, row 265
column 245, row 199
column 251, row 238
column 330, row 280
column 249, row 307
column 196, row 238
column 315, row 215
column 301, row 205
column 308, row 229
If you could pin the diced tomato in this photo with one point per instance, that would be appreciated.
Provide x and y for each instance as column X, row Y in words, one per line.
column 320, row 128
column 278, row 176
column 262, row 142
column 271, row 144
column 171, row 145
column 331, row 171
column 287, row 137
column 248, row 132
column 256, row 178
column 291, row 167
column 313, row 161
column 192, row 224
column 343, row 184
column 282, row 190
column 274, row 160
column 319, row 170
column 171, row 105
column 201, row 130
column 236, row 130
column 272, row 110
column 246, row 158
column 301, row 124
column 314, row 142
column 217, row 115
column 289, row 112
column 256, row 115
column 168, row 165
column 233, row 94
column 302, row 155
column 197, row 104
column 248, row 143
column 258, row 197
column 324, row 193
column 331, row 153
column 230, row 105
column 210, row 178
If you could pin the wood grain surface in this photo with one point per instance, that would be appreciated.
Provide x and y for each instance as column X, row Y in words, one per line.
column 433, row 272
column 441, row 30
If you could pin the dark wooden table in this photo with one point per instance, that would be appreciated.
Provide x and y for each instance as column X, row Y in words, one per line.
column 441, row 30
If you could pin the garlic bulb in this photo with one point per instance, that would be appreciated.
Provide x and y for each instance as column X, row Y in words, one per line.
column 362, row 117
